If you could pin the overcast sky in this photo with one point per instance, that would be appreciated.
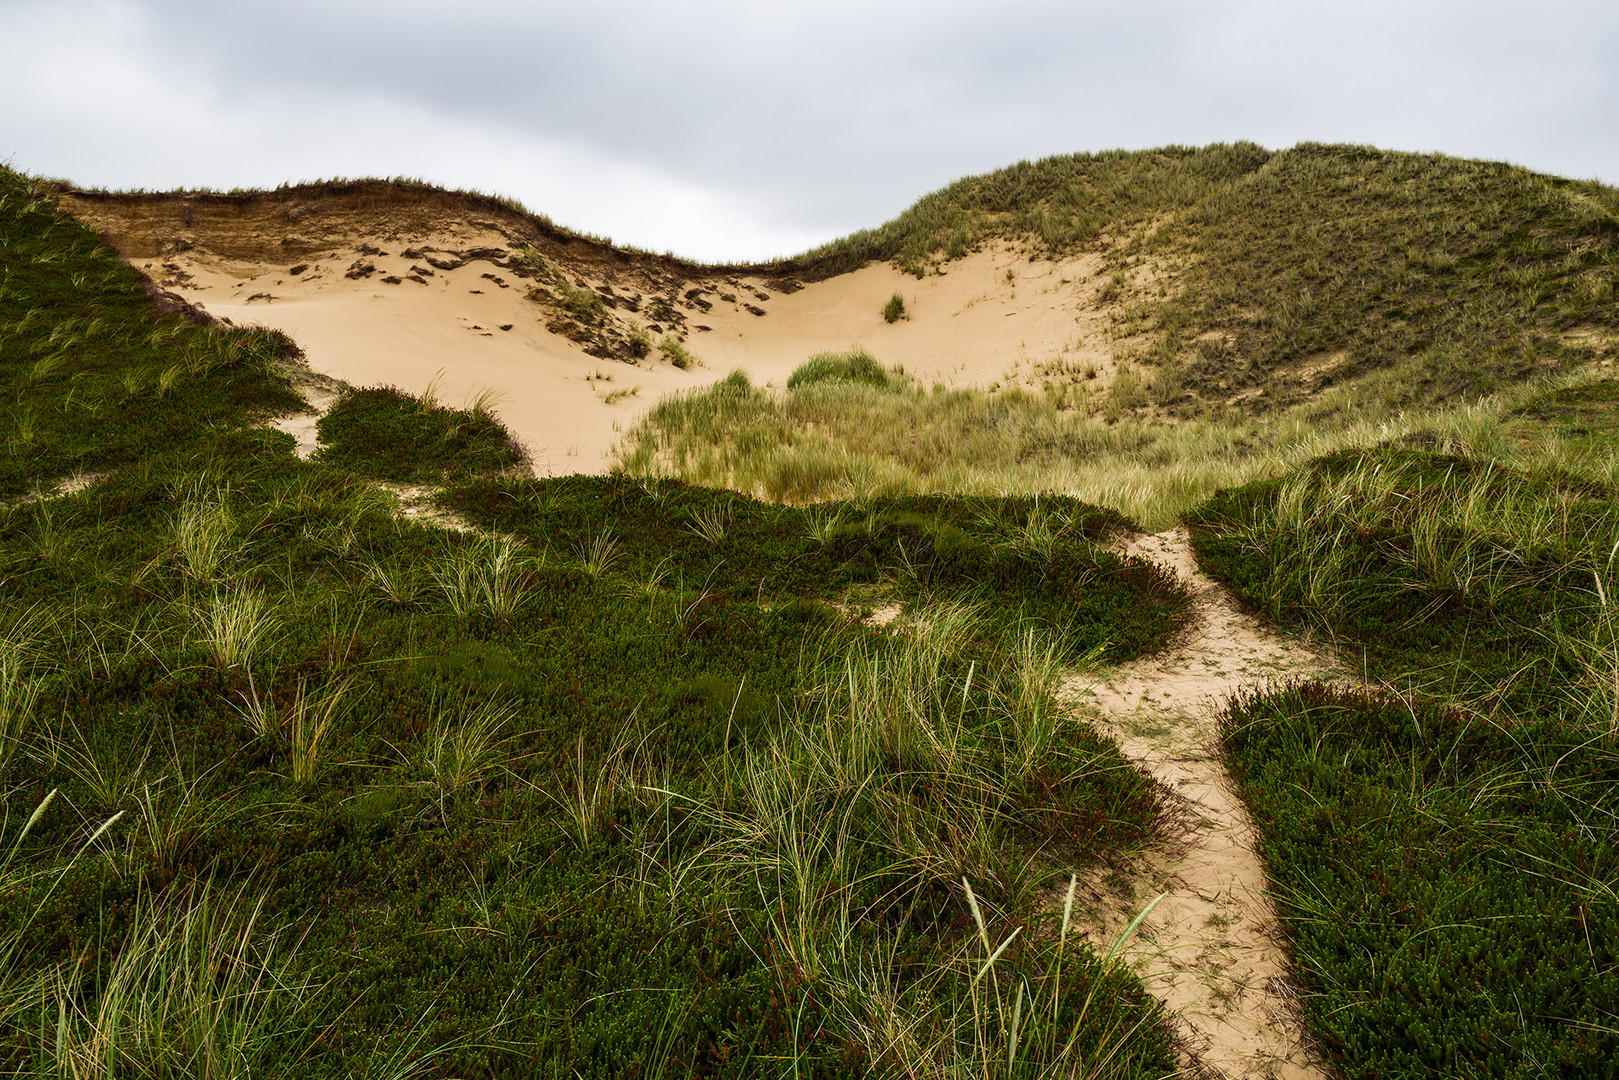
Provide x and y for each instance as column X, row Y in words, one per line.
column 745, row 130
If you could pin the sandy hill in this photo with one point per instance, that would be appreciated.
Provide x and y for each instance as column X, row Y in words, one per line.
column 1228, row 277
column 400, row 284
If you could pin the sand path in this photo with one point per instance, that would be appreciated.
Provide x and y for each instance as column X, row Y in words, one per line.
column 1211, row 950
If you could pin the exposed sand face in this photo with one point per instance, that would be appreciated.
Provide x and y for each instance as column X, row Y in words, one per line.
column 1212, row 949
column 419, row 300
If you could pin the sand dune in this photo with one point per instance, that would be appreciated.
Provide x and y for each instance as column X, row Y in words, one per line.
column 417, row 295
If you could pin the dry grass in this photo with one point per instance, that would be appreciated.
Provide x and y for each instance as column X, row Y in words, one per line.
column 848, row 439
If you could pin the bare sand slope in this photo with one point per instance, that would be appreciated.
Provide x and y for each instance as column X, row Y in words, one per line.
column 412, row 295
column 1212, row 949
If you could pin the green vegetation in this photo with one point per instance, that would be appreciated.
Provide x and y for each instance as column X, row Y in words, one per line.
column 385, row 433
column 1328, row 276
column 1061, row 201
column 854, row 366
column 894, row 310
column 93, row 374
column 674, row 350
column 1443, row 850
column 1022, row 563
column 1454, row 574
column 849, row 428
column 613, row 785
column 639, row 340
column 619, row 782
column 1447, row 882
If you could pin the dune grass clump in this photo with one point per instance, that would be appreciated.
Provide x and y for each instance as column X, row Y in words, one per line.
column 383, row 432
column 856, row 365
column 198, row 987
column 894, row 309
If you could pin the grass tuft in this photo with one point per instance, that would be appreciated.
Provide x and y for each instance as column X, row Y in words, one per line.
column 894, row 309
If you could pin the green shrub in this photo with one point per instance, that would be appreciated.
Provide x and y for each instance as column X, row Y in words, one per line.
column 855, row 365
column 384, row 432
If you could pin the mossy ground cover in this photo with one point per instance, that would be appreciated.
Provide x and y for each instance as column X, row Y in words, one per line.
column 298, row 786
column 1020, row 561
column 383, row 432
column 1447, row 881
column 522, row 819
column 1452, row 575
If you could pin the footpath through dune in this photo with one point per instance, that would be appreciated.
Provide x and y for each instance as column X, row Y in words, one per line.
column 1211, row 950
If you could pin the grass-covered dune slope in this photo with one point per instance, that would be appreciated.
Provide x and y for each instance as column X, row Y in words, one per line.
column 1285, row 273
column 1275, row 305
column 615, row 783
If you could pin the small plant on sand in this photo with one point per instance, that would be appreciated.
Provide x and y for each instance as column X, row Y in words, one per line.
column 894, row 310
column 639, row 341
column 674, row 350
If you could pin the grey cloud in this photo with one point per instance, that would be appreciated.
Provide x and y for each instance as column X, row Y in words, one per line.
column 828, row 116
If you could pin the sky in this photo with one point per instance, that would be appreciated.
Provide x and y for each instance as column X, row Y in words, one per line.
column 746, row 130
